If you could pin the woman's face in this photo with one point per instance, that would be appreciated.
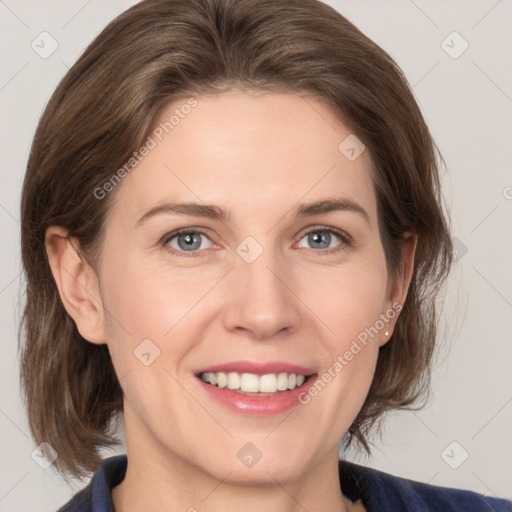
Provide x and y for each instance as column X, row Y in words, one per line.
column 270, row 285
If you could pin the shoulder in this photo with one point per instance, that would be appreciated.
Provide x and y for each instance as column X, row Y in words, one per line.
column 96, row 497
column 382, row 491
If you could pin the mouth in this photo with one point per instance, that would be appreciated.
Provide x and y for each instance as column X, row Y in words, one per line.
column 254, row 384
column 257, row 389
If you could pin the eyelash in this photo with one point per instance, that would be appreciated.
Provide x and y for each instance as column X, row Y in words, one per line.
column 346, row 240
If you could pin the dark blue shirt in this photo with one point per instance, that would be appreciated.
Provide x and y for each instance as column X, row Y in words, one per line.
column 379, row 492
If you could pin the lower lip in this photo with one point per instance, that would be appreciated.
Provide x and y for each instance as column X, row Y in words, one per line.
column 258, row 405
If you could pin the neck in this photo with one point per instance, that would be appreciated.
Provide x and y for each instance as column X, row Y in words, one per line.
column 158, row 479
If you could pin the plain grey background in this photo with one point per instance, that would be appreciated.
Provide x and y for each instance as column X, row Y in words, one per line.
column 463, row 83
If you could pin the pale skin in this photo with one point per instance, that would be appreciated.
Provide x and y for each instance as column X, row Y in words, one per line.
column 257, row 156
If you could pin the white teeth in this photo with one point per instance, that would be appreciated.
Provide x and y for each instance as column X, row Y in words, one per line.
column 249, row 383
column 282, row 381
column 268, row 383
column 233, row 380
column 222, row 379
column 252, row 383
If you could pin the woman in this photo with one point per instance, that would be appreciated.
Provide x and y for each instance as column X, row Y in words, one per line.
column 233, row 234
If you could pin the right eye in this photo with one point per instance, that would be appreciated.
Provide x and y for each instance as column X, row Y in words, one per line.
column 186, row 241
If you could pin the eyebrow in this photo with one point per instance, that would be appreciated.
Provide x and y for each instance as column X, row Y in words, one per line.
column 214, row 212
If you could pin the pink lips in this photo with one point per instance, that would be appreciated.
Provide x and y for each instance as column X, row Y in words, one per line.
column 253, row 404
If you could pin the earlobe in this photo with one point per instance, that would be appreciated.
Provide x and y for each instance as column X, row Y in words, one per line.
column 77, row 284
column 398, row 292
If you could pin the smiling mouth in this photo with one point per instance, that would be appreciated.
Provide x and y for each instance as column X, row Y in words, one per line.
column 253, row 384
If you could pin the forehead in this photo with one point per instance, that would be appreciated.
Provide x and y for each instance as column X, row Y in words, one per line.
column 252, row 152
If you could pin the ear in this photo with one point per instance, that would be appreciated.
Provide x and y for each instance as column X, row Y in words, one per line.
column 77, row 284
column 398, row 289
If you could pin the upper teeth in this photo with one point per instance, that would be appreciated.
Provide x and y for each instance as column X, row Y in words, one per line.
column 252, row 383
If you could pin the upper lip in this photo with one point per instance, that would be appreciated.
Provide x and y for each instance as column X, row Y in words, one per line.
column 257, row 368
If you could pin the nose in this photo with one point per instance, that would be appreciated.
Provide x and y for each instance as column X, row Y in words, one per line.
column 262, row 303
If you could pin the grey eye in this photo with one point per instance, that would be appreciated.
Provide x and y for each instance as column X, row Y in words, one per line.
column 190, row 241
column 320, row 238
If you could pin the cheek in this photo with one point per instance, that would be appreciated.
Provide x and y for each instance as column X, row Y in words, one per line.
column 349, row 304
column 349, row 299
column 150, row 329
column 156, row 316
column 151, row 301
column 138, row 308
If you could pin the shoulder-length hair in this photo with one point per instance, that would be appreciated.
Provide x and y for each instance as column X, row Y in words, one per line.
column 103, row 110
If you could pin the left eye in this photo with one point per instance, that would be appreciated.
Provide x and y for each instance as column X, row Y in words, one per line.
column 322, row 238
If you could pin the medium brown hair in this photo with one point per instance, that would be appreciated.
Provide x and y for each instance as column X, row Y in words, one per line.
column 103, row 110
